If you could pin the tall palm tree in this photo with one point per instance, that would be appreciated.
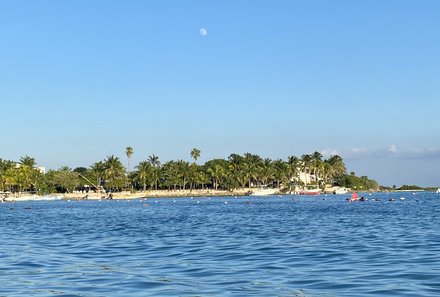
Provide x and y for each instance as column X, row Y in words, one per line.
column 143, row 170
column 129, row 153
column 195, row 154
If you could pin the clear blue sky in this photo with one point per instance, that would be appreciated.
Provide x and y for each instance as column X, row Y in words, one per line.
column 80, row 80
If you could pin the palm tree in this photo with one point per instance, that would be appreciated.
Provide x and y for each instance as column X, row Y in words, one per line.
column 26, row 173
column 184, row 171
column 192, row 176
column 28, row 161
column 216, row 172
column 250, row 167
column 235, row 172
column 201, row 178
column 316, row 165
column 328, row 171
column 267, row 171
column 306, row 163
column 170, row 174
column 11, row 177
column 113, row 170
column 5, row 165
column 129, row 153
column 98, row 169
column 24, row 177
column 195, row 154
column 64, row 178
column 65, row 168
column 235, row 162
column 281, row 172
column 293, row 170
column 338, row 166
column 143, row 170
column 155, row 174
column 154, row 161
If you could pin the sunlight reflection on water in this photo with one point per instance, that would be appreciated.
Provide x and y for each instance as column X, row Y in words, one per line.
column 274, row 246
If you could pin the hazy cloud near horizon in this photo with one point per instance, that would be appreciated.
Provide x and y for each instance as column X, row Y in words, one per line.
column 393, row 165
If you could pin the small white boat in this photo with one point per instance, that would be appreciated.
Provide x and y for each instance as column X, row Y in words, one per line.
column 310, row 192
column 438, row 191
column 47, row 197
column 340, row 191
column 33, row 197
column 264, row 192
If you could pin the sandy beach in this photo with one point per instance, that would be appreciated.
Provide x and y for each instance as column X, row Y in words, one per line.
column 137, row 194
column 126, row 195
column 156, row 194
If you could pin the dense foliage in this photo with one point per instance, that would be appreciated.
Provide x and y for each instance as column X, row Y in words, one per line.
column 410, row 188
column 237, row 171
column 357, row 183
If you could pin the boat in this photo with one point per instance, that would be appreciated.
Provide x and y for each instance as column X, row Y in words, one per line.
column 340, row 191
column 354, row 197
column 438, row 191
column 310, row 192
column 264, row 192
column 48, row 198
column 31, row 197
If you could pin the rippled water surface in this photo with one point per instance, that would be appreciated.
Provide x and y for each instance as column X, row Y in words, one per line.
column 273, row 246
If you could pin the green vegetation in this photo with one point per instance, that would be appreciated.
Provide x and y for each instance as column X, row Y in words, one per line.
column 354, row 182
column 415, row 188
column 410, row 188
column 236, row 172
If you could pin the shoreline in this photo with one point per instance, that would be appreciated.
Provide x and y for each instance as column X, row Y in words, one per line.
column 155, row 194
column 126, row 195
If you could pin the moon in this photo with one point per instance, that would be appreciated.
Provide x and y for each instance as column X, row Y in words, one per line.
column 203, row 32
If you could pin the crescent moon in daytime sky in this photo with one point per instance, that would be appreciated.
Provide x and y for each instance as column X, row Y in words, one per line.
column 203, row 32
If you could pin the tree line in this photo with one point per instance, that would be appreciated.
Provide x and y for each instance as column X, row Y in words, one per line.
column 235, row 172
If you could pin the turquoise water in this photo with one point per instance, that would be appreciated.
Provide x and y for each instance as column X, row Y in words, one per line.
column 273, row 246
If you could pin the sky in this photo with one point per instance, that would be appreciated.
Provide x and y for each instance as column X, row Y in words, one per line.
column 81, row 80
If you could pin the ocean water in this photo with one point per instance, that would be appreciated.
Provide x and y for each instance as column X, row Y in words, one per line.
column 247, row 246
